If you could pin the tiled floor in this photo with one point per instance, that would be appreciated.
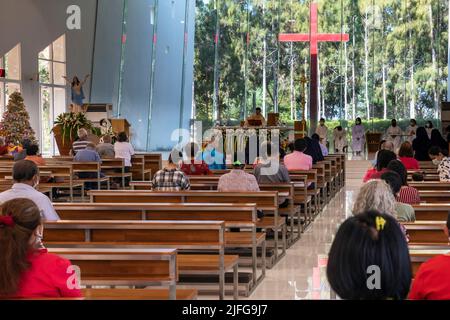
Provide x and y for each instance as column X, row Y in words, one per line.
column 301, row 274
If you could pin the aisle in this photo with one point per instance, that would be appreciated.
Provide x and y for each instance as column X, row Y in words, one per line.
column 301, row 274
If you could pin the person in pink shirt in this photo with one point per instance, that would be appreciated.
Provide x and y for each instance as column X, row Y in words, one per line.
column 237, row 180
column 297, row 160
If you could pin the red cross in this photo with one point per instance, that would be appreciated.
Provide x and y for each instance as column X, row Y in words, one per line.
column 314, row 38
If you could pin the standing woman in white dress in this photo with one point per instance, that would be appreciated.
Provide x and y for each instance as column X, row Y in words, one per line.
column 393, row 134
column 411, row 130
column 358, row 137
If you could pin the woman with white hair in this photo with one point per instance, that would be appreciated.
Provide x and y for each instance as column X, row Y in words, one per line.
column 375, row 195
column 81, row 142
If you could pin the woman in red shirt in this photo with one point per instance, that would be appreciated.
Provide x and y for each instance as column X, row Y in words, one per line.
column 432, row 281
column 194, row 167
column 27, row 270
column 406, row 156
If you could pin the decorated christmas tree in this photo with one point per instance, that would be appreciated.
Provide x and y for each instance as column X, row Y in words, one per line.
column 15, row 125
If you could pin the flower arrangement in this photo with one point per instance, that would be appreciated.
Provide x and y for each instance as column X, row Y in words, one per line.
column 69, row 124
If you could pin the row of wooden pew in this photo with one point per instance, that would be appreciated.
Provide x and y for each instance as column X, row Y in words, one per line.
column 201, row 225
column 426, row 236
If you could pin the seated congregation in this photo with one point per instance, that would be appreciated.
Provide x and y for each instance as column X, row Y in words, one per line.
column 223, row 224
column 239, row 211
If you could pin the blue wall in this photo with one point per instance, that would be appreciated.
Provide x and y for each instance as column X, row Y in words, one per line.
column 154, row 89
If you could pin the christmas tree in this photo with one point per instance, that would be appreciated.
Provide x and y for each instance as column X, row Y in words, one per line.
column 15, row 125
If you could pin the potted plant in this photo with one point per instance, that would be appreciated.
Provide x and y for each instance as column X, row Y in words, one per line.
column 66, row 128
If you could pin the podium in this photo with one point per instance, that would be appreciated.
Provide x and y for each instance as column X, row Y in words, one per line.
column 373, row 141
column 120, row 125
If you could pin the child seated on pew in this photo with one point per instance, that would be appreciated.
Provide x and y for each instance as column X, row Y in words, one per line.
column 27, row 270
column 432, row 281
column 369, row 259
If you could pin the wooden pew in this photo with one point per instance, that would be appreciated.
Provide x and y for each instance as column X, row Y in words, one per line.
column 426, row 232
column 197, row 236
column 138, row 170
column 64, row 176
column 115, row 168
column 423, row 255
column 321, row 184
column 292, row 211
column 122, row 294
column 90, row 167
column 137, row 294
column 311, row 180
column 430, row 185
column 264, row 200
column 433, row 196
column 243, row 216
column 432, row 211
column 334, row 184
column 152, row 161
column 105, row 267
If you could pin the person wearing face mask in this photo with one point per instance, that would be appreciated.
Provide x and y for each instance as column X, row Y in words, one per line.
column 322, row 131
column 393, row 134
column 26, row 179
column 27, row 269
column 429, row 128
column 442, row 162
column 411, row 130
column 358, row 134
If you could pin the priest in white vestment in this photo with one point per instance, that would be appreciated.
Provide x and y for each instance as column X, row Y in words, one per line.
column 393, row 134
column 322, row 131
column 411, row 130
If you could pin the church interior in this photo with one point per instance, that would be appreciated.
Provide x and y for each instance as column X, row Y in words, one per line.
column 224, row 150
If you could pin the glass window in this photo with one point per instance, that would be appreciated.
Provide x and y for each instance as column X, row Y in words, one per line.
column 11, row 83
column 59, row 70
column 12, row 63
column 59, row 49
column 52, row 68
column 394, row 64
column 45, row 71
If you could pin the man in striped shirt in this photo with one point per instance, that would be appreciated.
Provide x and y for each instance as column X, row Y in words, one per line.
column 82, row 141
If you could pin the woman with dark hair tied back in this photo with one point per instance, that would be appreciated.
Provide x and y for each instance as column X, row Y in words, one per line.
column 407, row 194
column 383, row 159
column 421, row 145
column 27, row 270
column 369, row 259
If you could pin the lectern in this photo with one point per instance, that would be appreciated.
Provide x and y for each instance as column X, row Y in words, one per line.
column 120, row 125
